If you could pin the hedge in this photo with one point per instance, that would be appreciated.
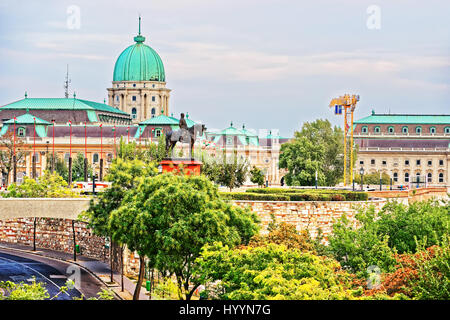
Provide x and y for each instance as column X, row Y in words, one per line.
column 253, row 196
column 312, row 194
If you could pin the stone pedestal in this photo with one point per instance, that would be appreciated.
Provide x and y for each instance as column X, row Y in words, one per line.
column 188, row 165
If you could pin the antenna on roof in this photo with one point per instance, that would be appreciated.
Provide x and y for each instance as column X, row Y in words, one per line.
column 66, row 83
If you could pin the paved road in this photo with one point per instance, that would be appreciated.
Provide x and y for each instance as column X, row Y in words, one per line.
column 18, row 266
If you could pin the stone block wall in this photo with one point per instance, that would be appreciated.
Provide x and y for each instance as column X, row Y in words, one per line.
column 307, row 215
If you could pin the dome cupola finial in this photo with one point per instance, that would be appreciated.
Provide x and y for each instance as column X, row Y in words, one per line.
column 139, row 38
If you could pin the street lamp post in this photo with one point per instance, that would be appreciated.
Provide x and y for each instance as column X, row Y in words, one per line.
column 316, row 179
column 380, row 182
column 361, row 172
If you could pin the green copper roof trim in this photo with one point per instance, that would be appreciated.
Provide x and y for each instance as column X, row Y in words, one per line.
column 60, row 104
column 27, row 119
column 92, row 116
column 159, row 120
column 4, row 129
column 404, row 119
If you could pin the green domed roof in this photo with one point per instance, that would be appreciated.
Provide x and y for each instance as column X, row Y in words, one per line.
column 139, row 62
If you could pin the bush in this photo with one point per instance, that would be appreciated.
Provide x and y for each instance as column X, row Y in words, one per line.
column 314, row 194
column 253, row 196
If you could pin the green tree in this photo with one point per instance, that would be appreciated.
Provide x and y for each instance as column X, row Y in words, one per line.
column 61, row 167
column 7, row 153
column 49, row 185
column 78, row 168
column 256, row 176
column 227, row 171
column 316, row 147
column 125, row 176
column 178, row 215
column 374, row 178
column 271, row 272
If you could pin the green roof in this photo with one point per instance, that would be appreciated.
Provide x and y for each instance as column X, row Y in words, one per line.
column 248, row 133
column 404, row 119
column 231, row 131
column 139, row 62
column 60, row 104
column 27, row 119
column 160, row 120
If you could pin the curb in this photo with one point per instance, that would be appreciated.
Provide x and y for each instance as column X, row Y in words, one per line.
column 70, row 262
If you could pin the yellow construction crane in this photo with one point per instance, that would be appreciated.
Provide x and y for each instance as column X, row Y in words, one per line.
column 346, row 104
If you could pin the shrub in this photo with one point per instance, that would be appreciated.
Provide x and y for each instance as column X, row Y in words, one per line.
column 253, row 196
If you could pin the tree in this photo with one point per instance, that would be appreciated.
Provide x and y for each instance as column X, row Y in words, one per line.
column 230, row 172
column 271, row 272
column 60, row 166
column 374, row 178
column 125, row 176
column 256, row 176
column 49, row 185
column 78, row 168
column 178, row 215
column 316, row 147
column 7, row 153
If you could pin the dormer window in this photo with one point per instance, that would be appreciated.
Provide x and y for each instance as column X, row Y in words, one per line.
column 21, row 132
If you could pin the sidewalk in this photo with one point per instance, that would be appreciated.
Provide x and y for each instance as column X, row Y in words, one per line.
column 99, row 269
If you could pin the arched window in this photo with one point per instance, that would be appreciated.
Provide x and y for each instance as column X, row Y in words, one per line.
column 441, row 177
column 377, row 129
column 133, row 113
column 391, row 129
column 395, row 176
column 406, row 177
column 153, row 112
column 432, row 130
column 419, row 130
column 21, row 132
column 429, row 177
column 417, row 177
column 364, row 129
column 447, row 130
column 404, row 130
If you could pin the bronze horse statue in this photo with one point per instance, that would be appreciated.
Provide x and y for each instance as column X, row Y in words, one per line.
column 172, row 137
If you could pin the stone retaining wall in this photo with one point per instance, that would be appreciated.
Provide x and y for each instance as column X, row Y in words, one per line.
column 307, row 215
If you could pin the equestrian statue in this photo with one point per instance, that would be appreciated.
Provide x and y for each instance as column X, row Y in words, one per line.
column 184, row 135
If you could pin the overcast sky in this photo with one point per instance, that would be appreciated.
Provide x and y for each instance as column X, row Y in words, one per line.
column 268, row 64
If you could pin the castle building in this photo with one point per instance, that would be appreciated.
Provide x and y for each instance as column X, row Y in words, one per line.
column 139, row 82
column 409, row 148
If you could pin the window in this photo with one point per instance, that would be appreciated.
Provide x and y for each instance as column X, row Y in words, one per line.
column 406, row 177
column 158, row 132
column 21, row 132
column 364, row 129
column 361, row 162
column 95, row 158
column 429, row 162
column 418, row 162
column 153, row 85
column 405, row 130
column 134, row 85
column 429, row 177
column 153, row 112
column 109, row 157
column 372, row 161
column 419, row 130
column 441, row 162
column 395, row 176
column 117, row 98
column 432, row 130
column 391, row 129
column 447, row 130
column 134, row 98
column 133, row 113
column 406, row 162
column 153, row 98
column 384, row 162
column 229, row 140
column 441, row 177
column 377, row 129
column 66, row 157
column 417, row 176
column 36, row 156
